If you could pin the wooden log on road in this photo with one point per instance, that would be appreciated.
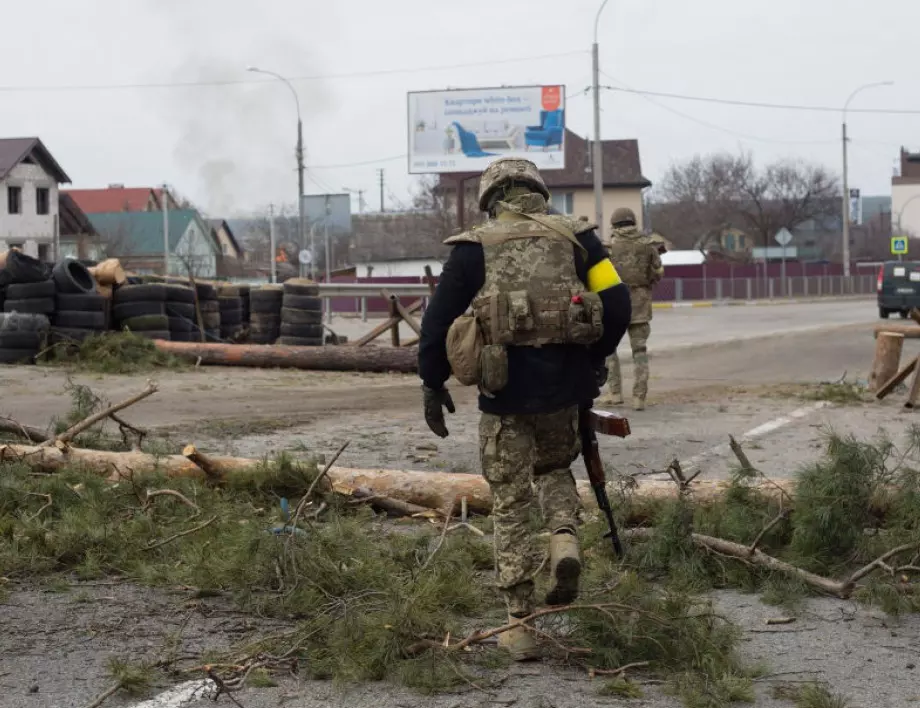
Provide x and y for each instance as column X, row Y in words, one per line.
column 888, row 346
column 267, row 356
column 910, row 331
column 433, row 490
column 893, row 382
column 384, row 326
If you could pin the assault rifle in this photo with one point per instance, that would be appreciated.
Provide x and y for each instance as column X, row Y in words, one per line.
column 591, row 422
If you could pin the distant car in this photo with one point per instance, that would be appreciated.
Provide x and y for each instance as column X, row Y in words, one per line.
column 898, row 287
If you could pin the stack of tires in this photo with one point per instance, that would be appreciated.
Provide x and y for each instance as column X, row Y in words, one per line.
column 22, row 337
column 301, row 314
column 28, row 287
column 265, row 314
column 247, row 306
column 209, row 304
column 79, row 310
column 231, row 313
column 141, row 308
column 180, row 308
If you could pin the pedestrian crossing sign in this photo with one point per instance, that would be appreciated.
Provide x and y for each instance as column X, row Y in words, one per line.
column 898, row 245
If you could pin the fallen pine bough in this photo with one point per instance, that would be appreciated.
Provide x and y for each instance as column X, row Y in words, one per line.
column 369, row 359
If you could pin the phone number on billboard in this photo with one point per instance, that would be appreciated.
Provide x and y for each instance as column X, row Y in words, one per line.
column 435, row 163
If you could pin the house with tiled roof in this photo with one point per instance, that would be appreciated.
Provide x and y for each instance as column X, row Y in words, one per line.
column 572, row 187
column 117, row 197
column 29, row 179
column 139, row 239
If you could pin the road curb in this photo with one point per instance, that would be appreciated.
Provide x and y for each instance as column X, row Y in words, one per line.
column 755, row 303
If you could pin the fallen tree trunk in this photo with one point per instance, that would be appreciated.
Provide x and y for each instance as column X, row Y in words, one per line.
column 911, row 331
column 373, row 359
column 433, row 490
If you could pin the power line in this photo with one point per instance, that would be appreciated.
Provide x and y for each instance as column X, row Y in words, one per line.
column 360, row 164
column 314, row 77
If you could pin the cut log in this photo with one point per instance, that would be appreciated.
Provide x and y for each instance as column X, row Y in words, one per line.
column 914, row 314
column 888, row 346
column 395, row 318
column 374, row 359
column 892, row 383
column 402, row 312
column 384, row 326
column 911, row 331
column 432, row 490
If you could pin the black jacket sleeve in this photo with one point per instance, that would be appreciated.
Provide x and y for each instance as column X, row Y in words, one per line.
column 462, row 277
column 617, row 306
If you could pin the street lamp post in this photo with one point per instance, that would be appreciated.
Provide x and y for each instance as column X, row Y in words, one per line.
column 300, row 168
column 846, row 186
column 598, row 156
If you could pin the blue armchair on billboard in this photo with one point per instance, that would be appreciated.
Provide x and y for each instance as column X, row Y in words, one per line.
column 548, row 133
column 469, row 144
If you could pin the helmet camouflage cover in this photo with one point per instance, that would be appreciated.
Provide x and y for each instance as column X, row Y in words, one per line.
column 623, row 214
column 508, row 169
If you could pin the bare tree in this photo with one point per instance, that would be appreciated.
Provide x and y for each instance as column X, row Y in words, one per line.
column 699, row 199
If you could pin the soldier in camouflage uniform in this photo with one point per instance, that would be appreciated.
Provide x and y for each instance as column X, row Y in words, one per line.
column 639, row 264
column 550, row 307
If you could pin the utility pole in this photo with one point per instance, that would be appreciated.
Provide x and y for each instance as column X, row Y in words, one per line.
column 382, row 182
column 598, row 166
column 165, row 231
column 271, row 241
column 360, row 192
column 327, row 256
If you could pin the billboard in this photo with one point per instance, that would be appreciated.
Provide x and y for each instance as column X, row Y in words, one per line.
column 328, row 210
column 463, row 130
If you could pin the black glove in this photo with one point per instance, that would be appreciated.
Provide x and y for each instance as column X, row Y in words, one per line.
column 435, row 401
column 600, row 375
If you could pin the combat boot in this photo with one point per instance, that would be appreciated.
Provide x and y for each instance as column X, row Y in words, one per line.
column 565, row 567
column 519, row 642
column 639, row 403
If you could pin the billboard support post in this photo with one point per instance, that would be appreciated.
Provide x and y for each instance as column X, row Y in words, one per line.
column 598, row 162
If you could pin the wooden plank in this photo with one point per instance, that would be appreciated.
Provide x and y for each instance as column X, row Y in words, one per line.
column 914, row 393
column 395, row 318
column 402, row 312
column 890, row 385
column 429, row 278
column 911, row 331
column 384, row 326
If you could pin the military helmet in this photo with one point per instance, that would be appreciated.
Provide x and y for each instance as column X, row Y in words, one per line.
column 623, row 215
column 506, row 169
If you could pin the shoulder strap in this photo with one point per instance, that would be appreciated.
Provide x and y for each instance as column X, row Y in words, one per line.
column 552, row 224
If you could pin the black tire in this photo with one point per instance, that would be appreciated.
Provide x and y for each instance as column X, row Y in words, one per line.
column 206, row 291
column 17, row 356
column 30, row 341
column 23, row 322
column 25, row 269
column 228, row 291
column 231, row 318
column 129, row 310
column 31, row 291
column 180, row 293
column 89, row 302
column 155, row 334
column 883, row 313
column 180, row 324
column 183, row 337
column 265, row 307
column 301, row 342
column 303, row 302
column 212, row 334
column 209, row 306
column 263, row 320
column 79, row 320
column 71, row 276
column 211, row 320
column 67, row 334
column 181, row 309
column 147, row 323
column 903, row 314
column 38, row 306
column 303, row 331
column 263, row 337
column 230, row 303
column 147, row 292
column 301, row 286
column 291, row 316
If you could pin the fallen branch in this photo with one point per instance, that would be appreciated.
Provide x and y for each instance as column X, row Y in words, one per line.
column 619, row 671
column 766, row 529
column 207, row 465
column 103, row 697
column 181, row 534
column 440, row 541
column 69, row 434
column 151, row 495
column 740, row 454
column 8, row 425
column 394, row 507
column 322, row 475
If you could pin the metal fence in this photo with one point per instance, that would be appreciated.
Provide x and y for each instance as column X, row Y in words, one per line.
column 364, row 299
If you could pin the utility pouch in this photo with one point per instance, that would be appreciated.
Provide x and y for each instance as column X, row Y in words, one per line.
column 520, row 315
column 464, row 348
column 493, row 366
column 586, row 318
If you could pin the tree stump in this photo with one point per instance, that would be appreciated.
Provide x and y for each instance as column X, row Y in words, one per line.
column 888, row 346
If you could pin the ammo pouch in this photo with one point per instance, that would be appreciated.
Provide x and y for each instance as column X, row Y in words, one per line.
column 493, row 363
column 586, row 318
column 464, row 348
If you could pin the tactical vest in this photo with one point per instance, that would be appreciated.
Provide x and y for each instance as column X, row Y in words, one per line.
column 532, row 294
column 632, row 258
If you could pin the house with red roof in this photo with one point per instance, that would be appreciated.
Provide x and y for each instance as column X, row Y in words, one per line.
column 117, row 197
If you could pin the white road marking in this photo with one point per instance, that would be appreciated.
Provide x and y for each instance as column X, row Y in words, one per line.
column 770, row 426
column 180, row 695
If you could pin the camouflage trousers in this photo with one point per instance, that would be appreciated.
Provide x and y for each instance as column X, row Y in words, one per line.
column 638, row 341
column 524, row 455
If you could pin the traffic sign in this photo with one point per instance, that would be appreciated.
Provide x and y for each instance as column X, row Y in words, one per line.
column 899, row 245
column 783, row 237
column 305, row 256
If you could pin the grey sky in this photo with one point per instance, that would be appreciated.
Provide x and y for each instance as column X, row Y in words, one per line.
column 230, row 147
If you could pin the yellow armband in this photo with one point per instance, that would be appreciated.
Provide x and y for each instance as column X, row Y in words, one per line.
column 602, row 276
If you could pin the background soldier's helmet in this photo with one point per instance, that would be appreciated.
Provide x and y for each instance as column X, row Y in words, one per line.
column 623, row 215
column 507, row 169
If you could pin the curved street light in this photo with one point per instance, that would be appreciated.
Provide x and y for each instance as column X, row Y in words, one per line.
column 846, row 187
column 300, row 167
column 597, row 153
